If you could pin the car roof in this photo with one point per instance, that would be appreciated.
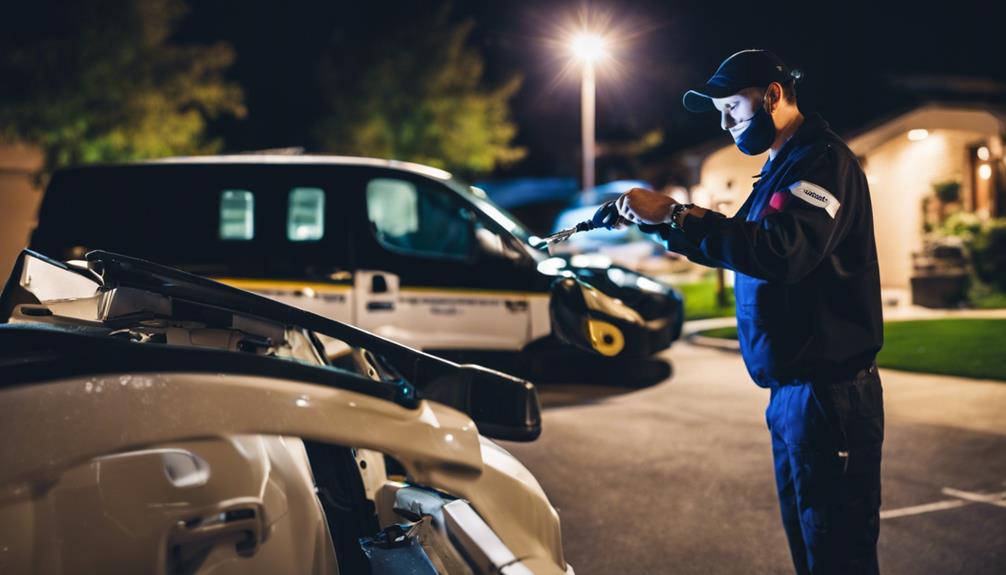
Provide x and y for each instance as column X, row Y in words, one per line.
column 291, row 160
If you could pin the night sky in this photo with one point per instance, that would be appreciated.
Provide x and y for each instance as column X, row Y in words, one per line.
column 862, row 60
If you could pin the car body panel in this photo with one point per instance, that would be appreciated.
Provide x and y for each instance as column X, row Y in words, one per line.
column 141, row 504
column 438, row 446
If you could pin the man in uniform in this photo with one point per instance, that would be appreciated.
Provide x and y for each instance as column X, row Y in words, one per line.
column 808, row 304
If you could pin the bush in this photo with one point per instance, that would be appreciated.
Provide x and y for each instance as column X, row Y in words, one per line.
column 964, row 225
column 988, row 252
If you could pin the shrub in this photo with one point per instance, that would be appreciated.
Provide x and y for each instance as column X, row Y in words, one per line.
column 988, row 252
column 964, row 225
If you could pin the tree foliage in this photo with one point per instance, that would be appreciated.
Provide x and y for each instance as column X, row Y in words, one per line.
column 417, row 93
column 93, row 81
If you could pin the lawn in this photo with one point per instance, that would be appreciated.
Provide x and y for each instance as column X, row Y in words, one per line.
column 964, row 347
column 700, row 299
column 992, row 300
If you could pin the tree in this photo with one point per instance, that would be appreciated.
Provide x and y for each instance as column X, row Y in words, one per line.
column 415, row 92
column 97, row 81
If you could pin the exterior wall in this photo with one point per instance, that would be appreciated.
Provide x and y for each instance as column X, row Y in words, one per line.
column 901, row 173
column 726, row 179
column 19, row 199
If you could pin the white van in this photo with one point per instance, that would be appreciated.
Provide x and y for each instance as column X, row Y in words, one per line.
column 400, row 249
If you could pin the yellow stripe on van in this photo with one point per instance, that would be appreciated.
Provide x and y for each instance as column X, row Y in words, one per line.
column 321, row 287
column 265, row 284
column 473, row 291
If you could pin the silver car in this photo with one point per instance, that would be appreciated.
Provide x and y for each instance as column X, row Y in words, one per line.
column 158, row 422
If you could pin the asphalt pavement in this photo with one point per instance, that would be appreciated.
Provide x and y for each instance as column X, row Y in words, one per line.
column 677, row 478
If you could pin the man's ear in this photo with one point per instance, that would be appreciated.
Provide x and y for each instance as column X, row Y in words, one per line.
column 773, row 96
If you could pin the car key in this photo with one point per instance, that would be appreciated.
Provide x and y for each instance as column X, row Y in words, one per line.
column 604, row 217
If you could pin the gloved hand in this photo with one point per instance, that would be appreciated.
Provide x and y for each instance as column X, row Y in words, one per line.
column 607, row 217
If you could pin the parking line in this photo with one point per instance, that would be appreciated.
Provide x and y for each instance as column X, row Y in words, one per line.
column 962, row 498
column 928, row 507
column 997, row 499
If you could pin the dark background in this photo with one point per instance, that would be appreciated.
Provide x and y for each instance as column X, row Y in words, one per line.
column 862, row 60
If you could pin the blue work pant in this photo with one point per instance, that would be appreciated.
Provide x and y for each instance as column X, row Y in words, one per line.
column 826, row 442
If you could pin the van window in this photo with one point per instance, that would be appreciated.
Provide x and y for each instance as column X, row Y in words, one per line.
column 305, row 220
column 237, row 215
column 423, row 221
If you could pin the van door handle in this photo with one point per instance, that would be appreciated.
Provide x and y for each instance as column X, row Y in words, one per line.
column 380, row 306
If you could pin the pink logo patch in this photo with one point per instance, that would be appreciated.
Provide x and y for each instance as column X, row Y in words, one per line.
column 778, row 200
column 775, row 203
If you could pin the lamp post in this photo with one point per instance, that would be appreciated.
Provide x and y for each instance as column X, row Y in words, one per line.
column 589, row 49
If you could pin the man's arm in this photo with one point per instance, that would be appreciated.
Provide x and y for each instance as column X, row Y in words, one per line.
column 675, row 241
column 808, row 220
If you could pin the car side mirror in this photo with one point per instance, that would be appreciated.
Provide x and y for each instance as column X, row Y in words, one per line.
column 502, row 406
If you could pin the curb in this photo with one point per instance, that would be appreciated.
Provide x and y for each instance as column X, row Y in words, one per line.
column 714, row 342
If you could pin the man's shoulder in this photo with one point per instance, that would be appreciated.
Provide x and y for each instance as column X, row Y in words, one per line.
column 826, row 152
column 828, row 163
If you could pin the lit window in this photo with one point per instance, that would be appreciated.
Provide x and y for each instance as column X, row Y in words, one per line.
column 423, row 221
column 393, row 206
column 305, row 219
column 237, row 215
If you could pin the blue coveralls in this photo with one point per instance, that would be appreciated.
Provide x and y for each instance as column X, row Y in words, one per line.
column 809, row 324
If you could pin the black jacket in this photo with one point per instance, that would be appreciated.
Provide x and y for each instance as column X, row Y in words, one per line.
column 803, row 249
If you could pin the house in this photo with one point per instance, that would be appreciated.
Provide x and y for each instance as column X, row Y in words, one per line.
column 903, row 156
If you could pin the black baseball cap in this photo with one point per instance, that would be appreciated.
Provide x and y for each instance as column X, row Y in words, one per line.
column 745, row 69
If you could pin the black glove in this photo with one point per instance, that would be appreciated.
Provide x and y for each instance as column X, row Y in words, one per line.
column 605, row 217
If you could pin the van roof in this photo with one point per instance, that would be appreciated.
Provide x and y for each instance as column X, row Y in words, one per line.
column 283, row 159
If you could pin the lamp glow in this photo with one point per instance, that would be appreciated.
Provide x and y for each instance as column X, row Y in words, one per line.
column 985, row 171
column 918, row 135
column 589, row 47
column 983, row 153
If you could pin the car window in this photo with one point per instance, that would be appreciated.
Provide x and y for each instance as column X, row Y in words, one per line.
column 421, row 220
column 305, row 220
column 237, row 215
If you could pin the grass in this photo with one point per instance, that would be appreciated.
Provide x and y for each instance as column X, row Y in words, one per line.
column 964, row 347
column 993, row 300
column 973, row 348
column 700, row 299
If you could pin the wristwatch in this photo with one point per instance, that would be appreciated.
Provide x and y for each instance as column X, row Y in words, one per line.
column 676, row 213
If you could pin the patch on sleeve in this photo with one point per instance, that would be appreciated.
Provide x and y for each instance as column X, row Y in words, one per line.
column 815, row 195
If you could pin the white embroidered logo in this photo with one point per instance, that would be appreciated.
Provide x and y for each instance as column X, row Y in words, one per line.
column 815, row 195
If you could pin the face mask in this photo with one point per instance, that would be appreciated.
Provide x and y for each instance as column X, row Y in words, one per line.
column 759, row 134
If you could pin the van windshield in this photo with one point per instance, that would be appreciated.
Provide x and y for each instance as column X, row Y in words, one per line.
column 503, row 218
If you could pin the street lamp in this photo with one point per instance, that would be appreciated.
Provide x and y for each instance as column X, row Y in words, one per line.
column 589, row 48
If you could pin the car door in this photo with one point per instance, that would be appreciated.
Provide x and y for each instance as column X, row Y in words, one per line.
column 424, row 275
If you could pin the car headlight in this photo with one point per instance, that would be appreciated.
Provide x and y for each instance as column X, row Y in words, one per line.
column 627, row 279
